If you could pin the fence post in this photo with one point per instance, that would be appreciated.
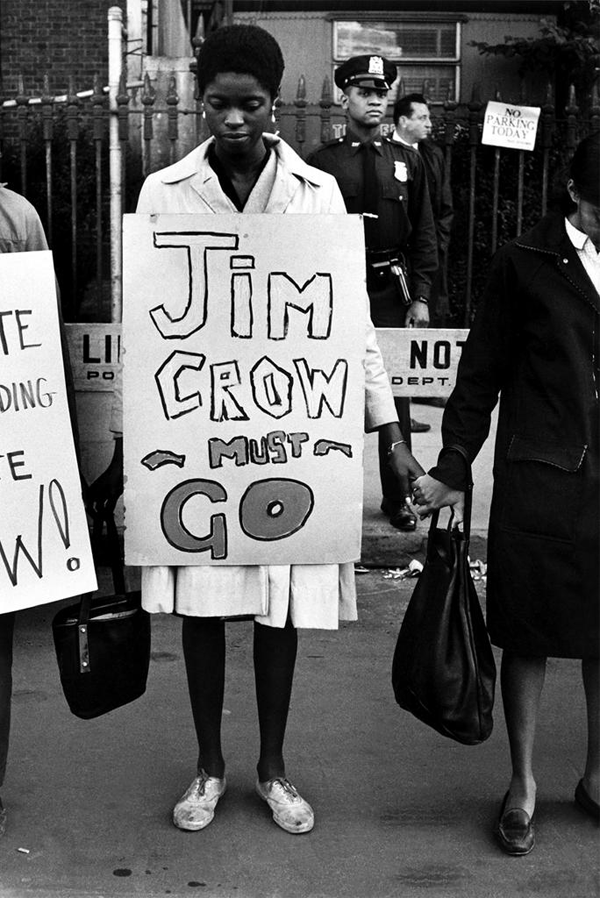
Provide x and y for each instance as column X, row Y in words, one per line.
column 47, row 134
column 115, row 62
column 73, row 104
column 172, row 117
column 547, row 130
column 22, row 105
column 326, row 102
column 148, row 99
column 98, row 133
column 572, row 113
column 300, row 104
column 595, row 110
column 475, row 107
column 496, row 187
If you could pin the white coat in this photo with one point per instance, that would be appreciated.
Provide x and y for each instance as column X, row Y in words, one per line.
column 313, row 595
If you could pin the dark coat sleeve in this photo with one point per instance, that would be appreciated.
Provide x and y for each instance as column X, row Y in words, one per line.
column 487, row 359
column 423, row 240
column 443, row 206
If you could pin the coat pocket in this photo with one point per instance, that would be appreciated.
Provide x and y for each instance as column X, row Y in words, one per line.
column 396, row 191
column 543, row 487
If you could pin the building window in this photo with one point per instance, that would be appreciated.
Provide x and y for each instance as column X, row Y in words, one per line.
column 427, row 50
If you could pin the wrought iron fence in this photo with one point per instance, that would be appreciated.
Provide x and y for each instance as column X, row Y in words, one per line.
column 55, row 151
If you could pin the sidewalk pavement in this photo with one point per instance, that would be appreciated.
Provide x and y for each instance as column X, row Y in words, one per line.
column 401, row 812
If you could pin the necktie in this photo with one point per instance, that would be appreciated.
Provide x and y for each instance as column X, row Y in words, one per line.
column 370, row 191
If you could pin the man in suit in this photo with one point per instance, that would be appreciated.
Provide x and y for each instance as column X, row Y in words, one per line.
column 412, row 127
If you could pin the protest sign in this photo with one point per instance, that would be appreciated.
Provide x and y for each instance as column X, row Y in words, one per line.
column 95, row 353
column 507, row 125
column 45, row 551
column 244, row 339
column 421, row 362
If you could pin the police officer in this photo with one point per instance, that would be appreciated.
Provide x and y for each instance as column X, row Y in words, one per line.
column 386, row 182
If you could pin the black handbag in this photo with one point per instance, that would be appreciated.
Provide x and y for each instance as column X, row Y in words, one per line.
column 103, row 644
column 443, row 670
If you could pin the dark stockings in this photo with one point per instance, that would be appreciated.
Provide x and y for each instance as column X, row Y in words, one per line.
column 203, row 641
column 274, row 662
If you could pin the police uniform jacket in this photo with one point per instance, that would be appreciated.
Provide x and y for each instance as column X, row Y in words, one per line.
column 535, row 341
column 405, row 220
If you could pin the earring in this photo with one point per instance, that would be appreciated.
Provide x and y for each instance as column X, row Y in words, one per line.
column 273, row 117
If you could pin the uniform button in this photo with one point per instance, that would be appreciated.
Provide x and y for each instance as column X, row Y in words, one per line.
column 566, row 261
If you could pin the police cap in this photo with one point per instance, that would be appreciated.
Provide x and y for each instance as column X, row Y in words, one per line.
column 366, row 71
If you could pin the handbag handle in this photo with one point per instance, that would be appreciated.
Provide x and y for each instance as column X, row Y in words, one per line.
column 118, row 576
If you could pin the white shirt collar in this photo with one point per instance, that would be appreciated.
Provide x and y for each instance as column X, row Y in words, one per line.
column 398, row 139
column 577, row 237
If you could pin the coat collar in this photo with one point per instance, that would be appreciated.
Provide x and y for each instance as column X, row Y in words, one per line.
column 550, row 236
column 355, row 143
column 291, row 172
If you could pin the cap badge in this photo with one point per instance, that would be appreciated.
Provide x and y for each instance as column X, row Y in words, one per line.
column 400, row 171
column 376, row 65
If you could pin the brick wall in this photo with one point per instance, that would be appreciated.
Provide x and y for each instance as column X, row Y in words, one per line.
column 57, row 37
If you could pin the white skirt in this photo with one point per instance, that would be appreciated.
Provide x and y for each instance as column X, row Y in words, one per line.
column 312, row 595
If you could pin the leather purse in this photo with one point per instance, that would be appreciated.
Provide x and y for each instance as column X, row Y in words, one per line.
column 103, row 644
column 443, row 669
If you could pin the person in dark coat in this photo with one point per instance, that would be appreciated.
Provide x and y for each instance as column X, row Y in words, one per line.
column 412, row 127
column 536, row 341
column 387, row 183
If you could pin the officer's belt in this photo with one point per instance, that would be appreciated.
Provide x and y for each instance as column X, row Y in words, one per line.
column 380, row 259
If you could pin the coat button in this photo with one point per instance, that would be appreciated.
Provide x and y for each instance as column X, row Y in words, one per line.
column 566, row 261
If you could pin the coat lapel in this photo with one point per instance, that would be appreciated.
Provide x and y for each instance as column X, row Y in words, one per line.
column 571, row 267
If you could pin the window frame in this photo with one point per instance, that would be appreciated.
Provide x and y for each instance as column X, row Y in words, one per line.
column 364, row 18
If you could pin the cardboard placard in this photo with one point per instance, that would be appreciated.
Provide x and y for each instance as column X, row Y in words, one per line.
column 244, row 340
column 421, row 362
column 507, row 125
column 45, row 550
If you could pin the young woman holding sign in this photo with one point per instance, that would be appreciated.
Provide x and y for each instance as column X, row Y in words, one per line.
column 243, row 168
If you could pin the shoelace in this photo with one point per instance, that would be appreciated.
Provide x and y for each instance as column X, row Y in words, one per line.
column 286, row 786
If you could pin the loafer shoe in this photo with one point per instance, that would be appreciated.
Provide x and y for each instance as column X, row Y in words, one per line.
column 515, row 831
column 290, row 811
column 196, row 807
column 419, row 426
column 586, row 802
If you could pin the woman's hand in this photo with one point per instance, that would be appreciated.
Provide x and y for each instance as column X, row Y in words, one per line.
column 429, row 494
column 405, row 467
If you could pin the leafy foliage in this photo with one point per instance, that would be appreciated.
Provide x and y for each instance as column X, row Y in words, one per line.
column 564, row 53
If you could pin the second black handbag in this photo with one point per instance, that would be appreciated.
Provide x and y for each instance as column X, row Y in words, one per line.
column 443, row 669
column 103, row 644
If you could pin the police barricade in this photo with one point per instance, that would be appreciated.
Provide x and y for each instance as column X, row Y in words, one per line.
column 421, row 362
column 95, row 353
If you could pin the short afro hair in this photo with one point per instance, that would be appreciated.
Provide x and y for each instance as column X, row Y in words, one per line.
column 246, row 49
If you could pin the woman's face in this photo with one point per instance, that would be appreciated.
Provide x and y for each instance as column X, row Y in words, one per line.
column 238, row 111
column 586, row 217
